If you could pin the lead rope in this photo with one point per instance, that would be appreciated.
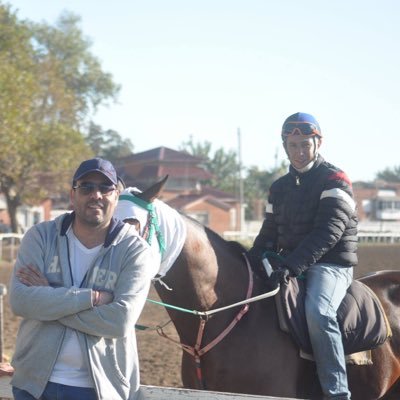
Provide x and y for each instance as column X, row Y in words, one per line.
column 196, row 351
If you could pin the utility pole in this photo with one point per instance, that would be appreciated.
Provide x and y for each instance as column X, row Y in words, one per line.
column 241, row 201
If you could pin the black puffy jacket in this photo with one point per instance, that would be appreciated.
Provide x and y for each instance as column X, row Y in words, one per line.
column 311, row 217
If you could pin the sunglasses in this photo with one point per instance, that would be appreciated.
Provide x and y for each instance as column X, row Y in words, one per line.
column 87, row 188
column 302, row 128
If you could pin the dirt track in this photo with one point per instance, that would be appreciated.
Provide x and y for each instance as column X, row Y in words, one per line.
column 160, row 359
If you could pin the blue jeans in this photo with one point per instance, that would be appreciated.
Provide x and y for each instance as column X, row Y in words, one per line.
column 326, row 286
column 57, row 391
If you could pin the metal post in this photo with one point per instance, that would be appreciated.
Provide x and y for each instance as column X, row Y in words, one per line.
column 12, row 250
column 3, row 292
column 241, row 195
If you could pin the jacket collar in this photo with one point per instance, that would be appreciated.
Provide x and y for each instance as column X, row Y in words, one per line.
column 113, row 230
column 293, row 171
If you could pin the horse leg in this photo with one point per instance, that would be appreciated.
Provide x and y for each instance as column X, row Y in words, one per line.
column 191, row 373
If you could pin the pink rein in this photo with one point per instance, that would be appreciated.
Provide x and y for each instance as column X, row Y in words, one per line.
column 197, row 351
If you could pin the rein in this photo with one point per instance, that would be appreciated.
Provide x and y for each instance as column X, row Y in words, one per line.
column 215, row 310
column 197, row 351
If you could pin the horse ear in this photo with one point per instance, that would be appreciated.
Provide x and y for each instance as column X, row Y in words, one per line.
column 153, row 191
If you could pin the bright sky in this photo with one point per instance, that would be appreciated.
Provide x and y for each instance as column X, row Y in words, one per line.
column 208, row 67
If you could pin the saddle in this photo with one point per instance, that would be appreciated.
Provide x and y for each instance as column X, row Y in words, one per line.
column 362, row 319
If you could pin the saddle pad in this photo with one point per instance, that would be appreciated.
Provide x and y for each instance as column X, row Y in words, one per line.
column 361, row 317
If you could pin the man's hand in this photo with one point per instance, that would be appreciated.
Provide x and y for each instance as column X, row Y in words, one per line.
column 31, row 276
column 6, row 369
column 279, row 276
column 100, row 298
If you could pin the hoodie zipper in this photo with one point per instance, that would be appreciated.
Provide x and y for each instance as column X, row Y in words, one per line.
column 297, row 180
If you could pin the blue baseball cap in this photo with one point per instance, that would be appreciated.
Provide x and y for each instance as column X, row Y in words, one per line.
column 100, row 165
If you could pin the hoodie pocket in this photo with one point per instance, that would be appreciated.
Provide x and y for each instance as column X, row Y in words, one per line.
column 115, row 362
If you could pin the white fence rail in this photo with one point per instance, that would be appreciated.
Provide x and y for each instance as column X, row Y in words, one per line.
column 379, row 237
column 372, row 237
column 9, row 242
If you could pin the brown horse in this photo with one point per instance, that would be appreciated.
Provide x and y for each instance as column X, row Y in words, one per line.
column 253, row 355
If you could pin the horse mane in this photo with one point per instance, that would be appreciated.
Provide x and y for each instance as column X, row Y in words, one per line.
column 235, row 247
column 214, row 237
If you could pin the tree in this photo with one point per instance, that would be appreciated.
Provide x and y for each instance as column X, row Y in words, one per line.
column 64, row 52
column 256, row 187
column 225, row 168
column 108, row 144
column 50, row 86
column 389, row 174
column 222, row 164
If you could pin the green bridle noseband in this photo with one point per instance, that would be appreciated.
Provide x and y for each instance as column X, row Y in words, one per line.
column 152, row 226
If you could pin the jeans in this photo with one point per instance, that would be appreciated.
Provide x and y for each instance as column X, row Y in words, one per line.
column 326, row 286
column 57, row 391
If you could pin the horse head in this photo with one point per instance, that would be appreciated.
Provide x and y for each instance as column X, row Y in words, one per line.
column 161, row 226
column 131, row 214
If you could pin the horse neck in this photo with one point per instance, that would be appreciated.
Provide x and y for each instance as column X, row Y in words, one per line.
column 207, row 273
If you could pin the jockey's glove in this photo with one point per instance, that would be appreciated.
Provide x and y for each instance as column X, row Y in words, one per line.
column 294, row 271
column 280, row 263
column 278, row 277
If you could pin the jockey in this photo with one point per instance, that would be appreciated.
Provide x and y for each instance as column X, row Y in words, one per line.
column 311, row 222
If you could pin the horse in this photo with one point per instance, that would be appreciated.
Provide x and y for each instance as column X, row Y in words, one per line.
column 242, row 349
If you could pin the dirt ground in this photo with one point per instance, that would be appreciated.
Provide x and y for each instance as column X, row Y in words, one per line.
column 159, row 358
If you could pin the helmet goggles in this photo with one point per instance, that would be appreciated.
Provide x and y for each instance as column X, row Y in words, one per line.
column 300, row 128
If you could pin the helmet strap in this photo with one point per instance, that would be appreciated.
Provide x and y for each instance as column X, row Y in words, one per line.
column 315, row 148
column 306, row 168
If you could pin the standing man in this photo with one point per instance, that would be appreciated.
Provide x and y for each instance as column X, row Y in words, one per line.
column 311, row 221
column 79, row 284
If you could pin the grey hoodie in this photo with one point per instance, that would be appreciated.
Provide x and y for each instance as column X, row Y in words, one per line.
column 124, row 266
